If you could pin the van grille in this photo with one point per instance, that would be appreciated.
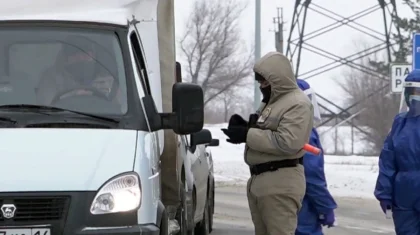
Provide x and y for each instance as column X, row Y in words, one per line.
column 37, row 208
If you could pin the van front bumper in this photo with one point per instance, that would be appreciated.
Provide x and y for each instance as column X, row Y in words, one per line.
column 68, row 213
column 147, row 229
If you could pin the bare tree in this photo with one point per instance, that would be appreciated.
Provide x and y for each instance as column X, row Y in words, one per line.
column 227, row 103
column 237, row 101
column 376, row 105
column 216, row 58
column 234, row 101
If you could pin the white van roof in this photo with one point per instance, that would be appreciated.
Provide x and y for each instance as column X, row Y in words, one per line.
column 101, row 11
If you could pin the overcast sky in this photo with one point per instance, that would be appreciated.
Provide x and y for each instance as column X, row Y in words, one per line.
column 341, row 41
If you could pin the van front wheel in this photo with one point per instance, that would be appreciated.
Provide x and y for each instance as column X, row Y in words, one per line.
column 211, row 208
column 203, row 228
column 182, row 213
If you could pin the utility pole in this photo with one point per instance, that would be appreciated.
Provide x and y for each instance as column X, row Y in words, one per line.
column 278, row 26
column 257, row 53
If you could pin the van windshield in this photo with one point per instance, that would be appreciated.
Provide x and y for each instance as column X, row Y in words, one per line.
column 80, row 70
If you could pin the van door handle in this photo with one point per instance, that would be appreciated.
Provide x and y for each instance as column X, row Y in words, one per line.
column 156, row 168
column 154, row 176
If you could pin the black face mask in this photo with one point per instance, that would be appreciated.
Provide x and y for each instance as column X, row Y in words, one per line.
column 266, row 92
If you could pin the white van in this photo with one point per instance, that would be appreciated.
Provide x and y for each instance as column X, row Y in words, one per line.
column 81, row 117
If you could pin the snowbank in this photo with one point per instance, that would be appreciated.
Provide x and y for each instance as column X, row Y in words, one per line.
column 352, row 176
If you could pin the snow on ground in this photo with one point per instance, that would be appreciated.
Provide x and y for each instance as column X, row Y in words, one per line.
column 350, row 176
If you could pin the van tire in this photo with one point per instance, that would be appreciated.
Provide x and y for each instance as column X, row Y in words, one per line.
column 182, row 214
column 203, row 228
column 211, row 208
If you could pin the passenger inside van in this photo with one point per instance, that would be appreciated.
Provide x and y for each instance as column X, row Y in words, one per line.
column 81, row 71
column 76, row 72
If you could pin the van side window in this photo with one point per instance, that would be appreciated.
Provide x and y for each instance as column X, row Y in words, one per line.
column 141, row 66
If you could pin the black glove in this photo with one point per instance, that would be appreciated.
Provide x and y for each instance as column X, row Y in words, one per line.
column 236, row 134
column 253, row 118
column 237, row 120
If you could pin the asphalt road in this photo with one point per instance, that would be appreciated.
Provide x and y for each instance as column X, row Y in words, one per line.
column 354, row 216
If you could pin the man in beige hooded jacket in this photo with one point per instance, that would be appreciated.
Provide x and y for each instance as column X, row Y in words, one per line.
column 274, row 147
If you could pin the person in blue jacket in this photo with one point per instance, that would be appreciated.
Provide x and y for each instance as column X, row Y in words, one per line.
column 398, row 184
column 318, row 205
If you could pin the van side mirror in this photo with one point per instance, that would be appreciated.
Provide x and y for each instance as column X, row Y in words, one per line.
column 187, row 115
column 201, row 137
column 178, row 72
column 188, row 107
column 213, row 143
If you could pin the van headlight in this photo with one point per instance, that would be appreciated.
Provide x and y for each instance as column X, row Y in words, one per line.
column 120, row 194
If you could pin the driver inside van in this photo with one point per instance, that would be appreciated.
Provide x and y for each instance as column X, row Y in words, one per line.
column 76, row 72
